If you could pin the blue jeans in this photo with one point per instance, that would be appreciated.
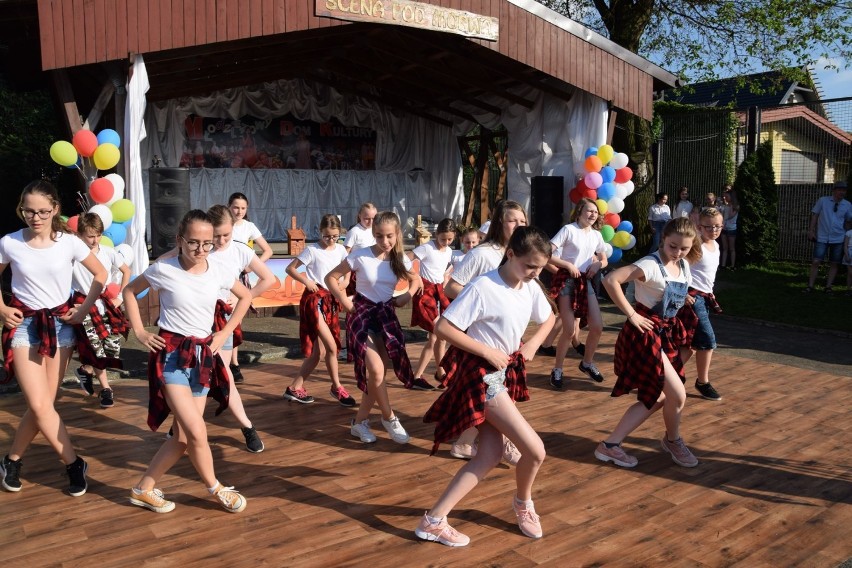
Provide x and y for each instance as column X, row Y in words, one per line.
column 704, row 337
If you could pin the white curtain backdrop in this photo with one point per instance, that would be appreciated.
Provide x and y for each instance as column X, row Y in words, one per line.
column 135, row 189
column 418, row 163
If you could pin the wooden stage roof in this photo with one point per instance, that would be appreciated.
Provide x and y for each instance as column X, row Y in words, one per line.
column 774, row 487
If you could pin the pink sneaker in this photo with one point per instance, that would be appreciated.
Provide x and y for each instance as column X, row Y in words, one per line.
column 616, row 455
column 679, row 452
column 528, row 521
column 440, row 532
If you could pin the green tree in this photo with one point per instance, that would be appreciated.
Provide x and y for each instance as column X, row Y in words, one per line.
column 758, row 197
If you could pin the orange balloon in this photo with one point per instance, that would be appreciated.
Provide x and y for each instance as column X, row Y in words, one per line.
column 593, row 164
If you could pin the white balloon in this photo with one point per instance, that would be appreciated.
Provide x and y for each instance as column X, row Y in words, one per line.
column 615, row 205
column 620, row 191
column 126, row 252
column 104, row 213
column 118, row 184
column 630, row 243
column 619, row 160
column 629, row 186
column 608, row 250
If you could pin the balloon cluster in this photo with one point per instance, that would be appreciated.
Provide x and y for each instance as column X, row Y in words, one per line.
column 607, row 182
column 89, row 154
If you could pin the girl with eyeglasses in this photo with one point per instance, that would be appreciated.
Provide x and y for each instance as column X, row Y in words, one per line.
column 319, row 320
column 38, row 333
column 695, row 314
column 182, row 364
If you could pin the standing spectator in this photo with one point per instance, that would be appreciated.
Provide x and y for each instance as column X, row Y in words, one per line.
column 730, row 212
column 658, row 215
column 847, row 257
column 826, row 231
column 684, row 206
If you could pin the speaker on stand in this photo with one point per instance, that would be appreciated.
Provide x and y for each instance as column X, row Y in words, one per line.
column 168, row 191
column 546, row 203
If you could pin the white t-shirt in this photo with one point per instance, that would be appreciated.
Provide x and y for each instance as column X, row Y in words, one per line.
column 319, row 262
column 245, row 232
column 650, row 292
column 704, row 271
column 188, row 301
column 484, row 227
column 479, row 260
column 376, row 281
column 682, row 209
column 359, row 237
column 234, row 260
column 81, row 279
column 457, row 258
column 578, row 245
column 480, row 310
column 433, row 262
column 657, row 212
column 41, row 278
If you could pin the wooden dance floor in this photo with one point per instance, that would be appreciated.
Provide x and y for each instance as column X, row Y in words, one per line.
column 774, row 487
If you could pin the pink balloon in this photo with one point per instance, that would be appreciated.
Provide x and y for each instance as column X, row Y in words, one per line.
column 593, row 180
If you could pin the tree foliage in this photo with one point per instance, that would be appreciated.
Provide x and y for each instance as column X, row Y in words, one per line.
column 758, row 198
column 704, row 39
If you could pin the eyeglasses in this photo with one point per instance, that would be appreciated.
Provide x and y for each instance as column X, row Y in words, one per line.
column 194, row 246
column 712, row 227
column 45, row 213
column 330, row 237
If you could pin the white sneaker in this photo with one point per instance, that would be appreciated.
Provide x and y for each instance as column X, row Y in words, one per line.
column 396, row 431
column 362, row 430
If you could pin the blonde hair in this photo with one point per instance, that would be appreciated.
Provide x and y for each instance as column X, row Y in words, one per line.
column 396, row 259
column 683, row 227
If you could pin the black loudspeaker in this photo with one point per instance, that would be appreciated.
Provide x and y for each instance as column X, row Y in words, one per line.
column 547, row 197
column 168, row 191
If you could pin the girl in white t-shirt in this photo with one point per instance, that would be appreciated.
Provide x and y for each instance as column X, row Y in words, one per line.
column 582, row 258
column 38, row 336
column 360, row 236
column 468, row 239
column 487, row 375
column 319, row 322
column 247, row 233
column 99, row 336
column 374, row 335
column 647, row 351
column 236, row 259
column 428, row 304
column 182, row 367
column 507, row 216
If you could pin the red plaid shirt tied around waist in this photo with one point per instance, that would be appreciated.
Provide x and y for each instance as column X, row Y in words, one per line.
column 427, row 305
column 220, row 320
column 580, row 299
column 462, row 405
column 638, row 356
column 45, row 327
column 379, row 317
column 118, row 325
column 211, row 369
column 687, row 315
column 309, row 310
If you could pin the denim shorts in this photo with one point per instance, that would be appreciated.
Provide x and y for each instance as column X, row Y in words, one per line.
column 704, row 337
column 26, row 334
column 495, row 384
column 834, row 250
column 173, row 375
column 568, row 288
column 229, row 342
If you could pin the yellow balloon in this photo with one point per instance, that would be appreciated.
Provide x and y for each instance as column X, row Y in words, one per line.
column 122, row 210
column 605, row 153
column 602, row 206
column 620, row 239
column 63, row 153
column 106, row 242
column 106, row 156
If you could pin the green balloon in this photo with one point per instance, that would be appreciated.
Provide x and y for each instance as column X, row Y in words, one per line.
column 607, row 233
column 122, row 210
column 63, row 153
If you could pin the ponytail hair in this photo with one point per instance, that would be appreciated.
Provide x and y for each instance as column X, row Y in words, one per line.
column 237, row 195
column 531, row 240
column 219, row 215
column 447, row 225
column 396, row 259
column 330, row 221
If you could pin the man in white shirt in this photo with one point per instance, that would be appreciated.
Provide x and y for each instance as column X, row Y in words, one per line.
column 828, row 217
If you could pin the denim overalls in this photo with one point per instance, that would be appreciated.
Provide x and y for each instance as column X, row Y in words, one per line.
column 674, row 294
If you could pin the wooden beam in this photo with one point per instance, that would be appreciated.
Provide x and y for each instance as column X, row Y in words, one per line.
column 66, row 99
column 610, row 124
column 100, row 105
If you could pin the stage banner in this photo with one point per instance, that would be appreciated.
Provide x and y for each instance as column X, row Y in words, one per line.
column 279, row 143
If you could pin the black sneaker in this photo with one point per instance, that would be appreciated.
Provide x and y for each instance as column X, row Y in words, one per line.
column 556, row 378
column 11, row 473
column 592, row 371
column 86, row 380
column 421, row 384
column 707, row 391
column 298, row 395
column 547, row 351
column 107, row 398
column 253, row 443
column 580, row 348
column 238, row 375
column 77, row 477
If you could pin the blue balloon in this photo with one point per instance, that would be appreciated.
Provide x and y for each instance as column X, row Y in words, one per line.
column 616, row 254
column 606, row 191
column 117, row 233
column 607, row 174
column 625, row 226
column 593, row 151
column 109, row 136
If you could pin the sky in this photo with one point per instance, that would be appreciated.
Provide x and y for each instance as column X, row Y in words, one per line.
column 835, row 84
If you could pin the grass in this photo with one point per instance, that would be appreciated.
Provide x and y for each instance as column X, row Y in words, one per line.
column 775, row 293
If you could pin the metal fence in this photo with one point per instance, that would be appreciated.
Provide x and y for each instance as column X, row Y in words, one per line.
column 812, row 148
